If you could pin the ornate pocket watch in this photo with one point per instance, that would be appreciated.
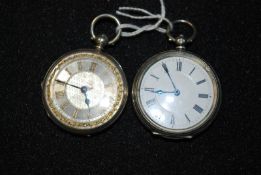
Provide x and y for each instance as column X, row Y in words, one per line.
column 176, row 94
column 84, row 91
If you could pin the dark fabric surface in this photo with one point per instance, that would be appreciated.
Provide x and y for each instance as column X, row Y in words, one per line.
column 35, row 33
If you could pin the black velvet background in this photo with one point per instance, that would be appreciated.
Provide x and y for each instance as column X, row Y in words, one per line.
column 35, row 33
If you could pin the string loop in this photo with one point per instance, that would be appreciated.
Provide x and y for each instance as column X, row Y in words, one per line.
column 123, row 11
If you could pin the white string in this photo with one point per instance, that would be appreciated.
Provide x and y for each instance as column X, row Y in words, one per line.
column 148, row 15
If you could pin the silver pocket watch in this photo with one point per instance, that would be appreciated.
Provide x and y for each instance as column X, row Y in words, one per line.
column 176, row 94
column 85, row 91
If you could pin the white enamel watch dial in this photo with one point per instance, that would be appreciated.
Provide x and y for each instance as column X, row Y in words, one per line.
column 176, row 94
column 84, row 91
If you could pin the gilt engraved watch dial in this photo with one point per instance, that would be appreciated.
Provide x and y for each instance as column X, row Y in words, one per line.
column 176, row 94
column 85, row 91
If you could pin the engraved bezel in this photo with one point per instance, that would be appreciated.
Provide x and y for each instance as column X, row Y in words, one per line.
column 167, row 132
column 85, row 127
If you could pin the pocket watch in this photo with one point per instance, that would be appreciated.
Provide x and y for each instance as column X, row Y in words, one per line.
column 176, row 94
column 85, row 91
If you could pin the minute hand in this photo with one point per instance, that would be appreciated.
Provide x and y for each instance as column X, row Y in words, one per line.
column 68, row 84
column 167, row 71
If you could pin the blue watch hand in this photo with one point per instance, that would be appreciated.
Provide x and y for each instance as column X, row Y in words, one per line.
column 87, row 101
column 177, row 92
column 163, row 92
column 159, row 91
column 84, row 90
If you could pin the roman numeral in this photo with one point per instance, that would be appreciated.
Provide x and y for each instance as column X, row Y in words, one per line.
column 59, row 94
column 154, row 76
column 111, row 99
column 192, row 71
column 201, row 81
column 149, row 89
column 67, row 70
column 187, row 118
column 88, row 115
column 79, row 64
column 93, row 67
column 198, row 109
column 75, row 113
column 64, row 105
column 179, row 65
column 150, row 102
column 172, row 121
column 203, row 95
column 108, row 85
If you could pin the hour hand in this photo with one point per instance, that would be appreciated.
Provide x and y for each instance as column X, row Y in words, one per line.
column 158, row 91
column 84, row 90
column 87, row 101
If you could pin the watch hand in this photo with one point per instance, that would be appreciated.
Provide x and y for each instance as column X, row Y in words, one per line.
column 167, row 71
column 84, row 90
column 71, row 84
column 159, row 91
column 68, row 84
column 87, row 101
column 177, row 92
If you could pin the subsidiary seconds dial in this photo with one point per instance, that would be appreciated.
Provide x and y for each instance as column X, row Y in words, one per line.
column 176, row 95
